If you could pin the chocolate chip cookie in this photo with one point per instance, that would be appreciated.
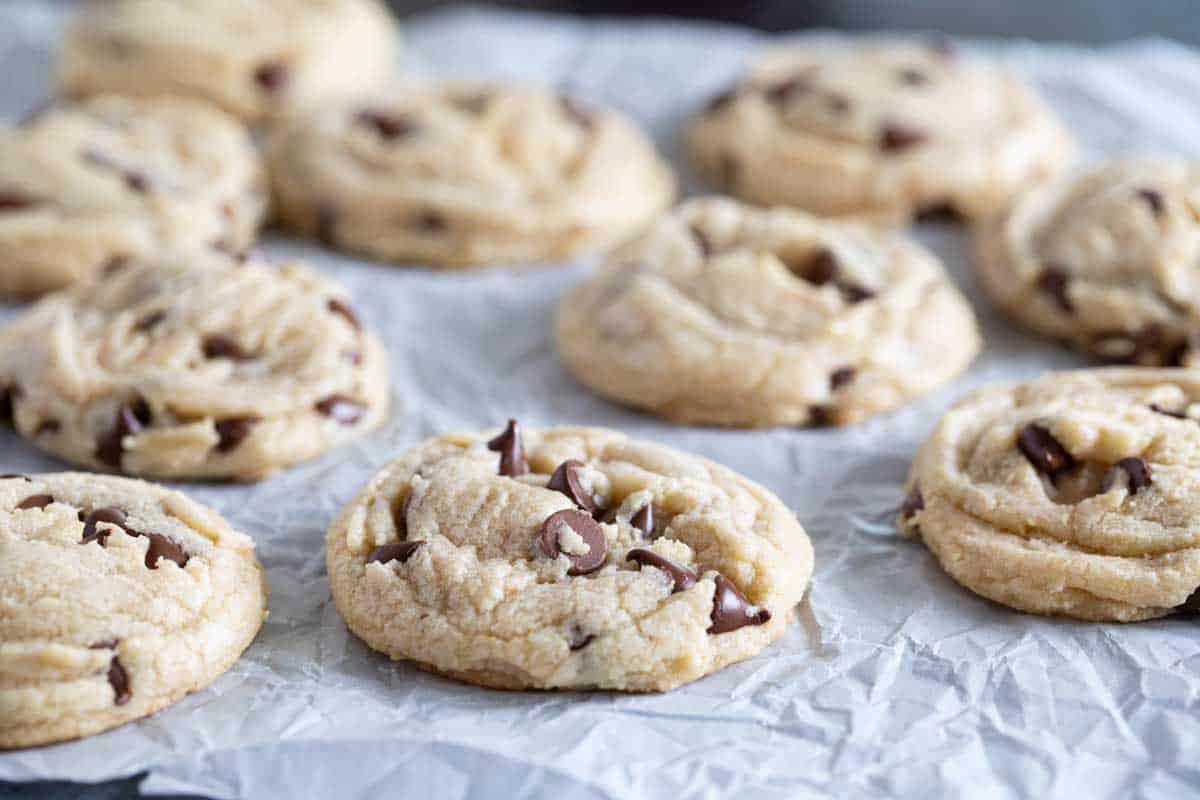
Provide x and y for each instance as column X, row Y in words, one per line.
column 119, row 598
column 465, row 175
column 569, row 558
column 726, row 314
column 83, row 187
column 1073, row 494
column 204, row 366
column 881, row 128
column 257, row 60
column 1104, row 260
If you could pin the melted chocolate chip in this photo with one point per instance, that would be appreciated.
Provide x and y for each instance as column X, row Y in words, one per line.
column 387, row 126
column 913, row 502
column 511, row 449
column 840, row 377
column 216, row 345
column 942, row 212
column 341, row 409
column 731, row 610
column 232, row 431
column 402, row 516
column 118, row 679
column 643, row 520
column 91, row 520
column 131, row 419
column 1136, row 469
column 894, row 137
column 1055, row 282
column 12, row 201
column 820, row 416
column 912, row 77
column 566, row 479
column 162, row 547
column 272, row 76
column 721, row 101
column 582, row 524
column 396, row 551
column 579, row 639
column 1152, row 198
column 1043, row 450
column 35, row 501
column 338, row 307
column 151, row 320
column 821, row 268
column 681, row 577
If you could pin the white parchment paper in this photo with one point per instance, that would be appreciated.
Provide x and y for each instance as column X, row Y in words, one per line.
column 893, row 681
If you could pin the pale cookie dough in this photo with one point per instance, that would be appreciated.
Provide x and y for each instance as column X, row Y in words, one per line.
column 255, row 58
column 569, row 558
column 879, row 128
column 730, row 315
column 1075, row 494
column 205, row 366
column 83, row 187
column 464, row 175
column 1105, row 260
column 117, row 598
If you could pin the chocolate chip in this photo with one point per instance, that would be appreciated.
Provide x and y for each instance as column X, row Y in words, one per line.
column 91, row 520
column 579, row 639
column 643, row 520
column 841, row 377
column 272, row 76
column 912, row 77
column 151, row 320
column 894, row 137
column 216, row 345
column 47, row 426
column 131, row 419
column 681, row 577
column 1054, row 282
column 12, row 201
column 387, row 126
column 855, row 294
column 1152, row 198
column 430, row 222
column 511, row 449
column 1043, row 450
column 338, row 307
column 582, row 524
column 783, row 91
column 820, row 269
column 702, row 241
column 107, row 644
column 577, row 113
column 35, row 501
column 721, row 101
column 913, row 503
column 1155, row 407
column 1191, row 605
column 341, row 409
column 942, row 212
column 137, row 182
column 1136, row 469
column 566, row 479
column 327, row 219
column 820, row 416
column 402, row 516
column 396, row 551
column 162, row 547
column 118, row 679
column 232, row 431
column 731, row 610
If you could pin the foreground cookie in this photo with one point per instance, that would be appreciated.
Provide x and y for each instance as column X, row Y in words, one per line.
column 731, row 315
column 467, row 175
column 1075, row 494
column 882, row 128
column 1105, row 260
column 83, row 187
column 119, row 598
column 255, row 59
column 200, row 367
column 571, row 558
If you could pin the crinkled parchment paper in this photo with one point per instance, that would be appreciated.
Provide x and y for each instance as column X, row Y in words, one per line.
column 892, row 682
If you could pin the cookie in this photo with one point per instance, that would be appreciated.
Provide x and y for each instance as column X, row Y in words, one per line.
column 83, row 187
column 881, row 128
column 118, row 597
column 465, row 175
column 568, row 558
column 200, row 367
column 728, row 314
column 1074, row 494
column 1104, row 260
column 257, row 60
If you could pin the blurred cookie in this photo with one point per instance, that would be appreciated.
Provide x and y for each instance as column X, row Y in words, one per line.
column 119, row 598
column 728, row 314
column 83, row 187
column 200, row 367
column 258, row 59
column 467, row 175
column 1104, row 260
column 570, row 558
column 882, row 128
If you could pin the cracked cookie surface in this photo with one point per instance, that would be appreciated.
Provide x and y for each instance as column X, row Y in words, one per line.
column 462, row 175
column 117, row 598
column 85, row 186
column 260, row 59
column 727, row 314
column 569, row 558
column 206, row 366
column 1104, row 260
column 879, row 128
column 1073, row 494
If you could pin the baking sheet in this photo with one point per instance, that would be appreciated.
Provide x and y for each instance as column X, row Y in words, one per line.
column 893, row 681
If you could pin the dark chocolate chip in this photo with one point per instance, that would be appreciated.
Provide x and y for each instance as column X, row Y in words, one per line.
column 12, row 201
column 681, row 577
column 721, row 101
column 820, row 416
column 388, row 126
column 855, row 294
column 131, row 419
column 47, row 426
column 118, row 679
column 272, row 76
column 841, row 377
column 162, row 547
column 1043, row 450
column 151, row 320
column 942, row 212
column 402, row 516
column 822, row 267
column 91, row 520
column 217, row 345
column 396, row 551
column 137, row 182
column 511, row 449
column 1055, row 282
column 1152, row 198
column 35, row 501
column 702, row 241
column 232, row 431
column 731, row 610
column 327, row 220
column 894, row 137
column 912, row 77
column 579, row 639
column 1155, row 407
column 338, row 307
column 587, row 528
column 341, row 409
column 913, row 503
column 643, row 520
column 1137, row 470
column 566, row 480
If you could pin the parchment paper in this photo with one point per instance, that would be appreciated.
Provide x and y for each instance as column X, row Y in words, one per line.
column 893, row 681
